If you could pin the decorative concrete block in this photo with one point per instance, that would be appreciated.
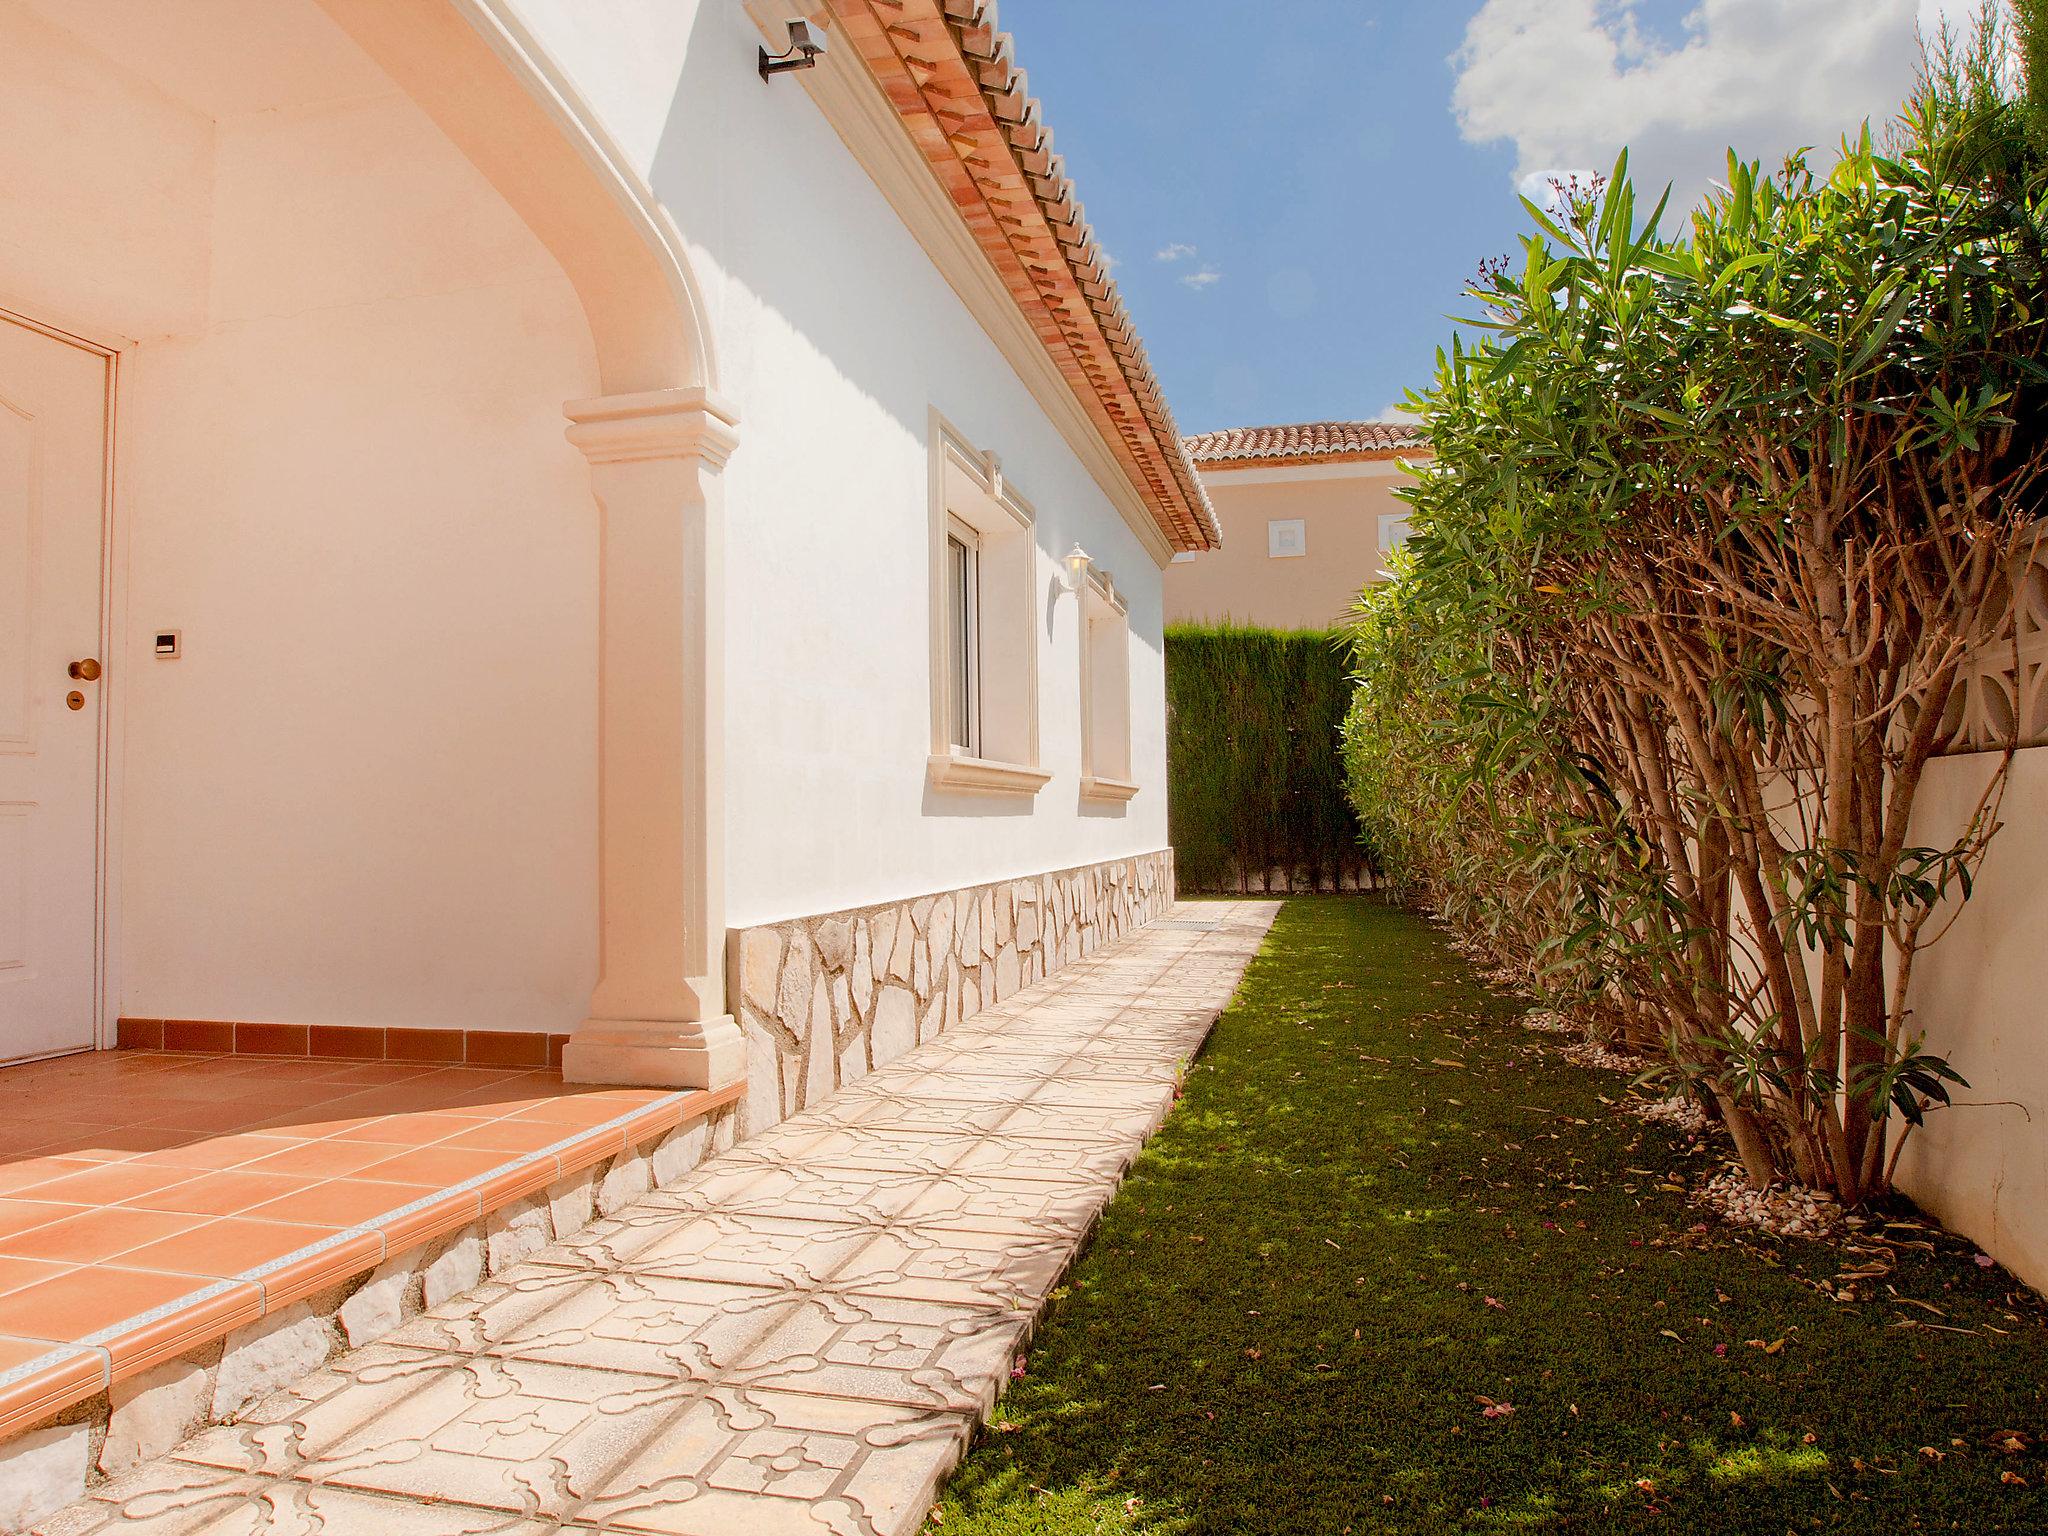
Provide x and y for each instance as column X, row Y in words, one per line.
column 819, row 1078
column 793, row 990
column 953, row 954
column 456, row 1268
column 967, row 925
column 270, row 1353
column 150, row 1413
column 895, row 1024
column 517, row 1231
column 679, row 1152
column 898, row 939
column 760, row 957
column 382, row 1302
column 42, row 1471
column 630, row 1176
column 862, row 977
column 835, row 943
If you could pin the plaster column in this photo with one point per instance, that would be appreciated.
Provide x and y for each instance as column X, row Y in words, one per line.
column 658, row 1015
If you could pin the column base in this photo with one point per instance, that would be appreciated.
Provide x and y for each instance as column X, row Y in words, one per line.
column 656, row 1053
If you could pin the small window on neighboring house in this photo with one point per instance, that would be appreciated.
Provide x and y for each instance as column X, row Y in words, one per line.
column 963, row 581
column 984, row 653
column 1286, row 537
column 1393, row 534
column 1105, row 692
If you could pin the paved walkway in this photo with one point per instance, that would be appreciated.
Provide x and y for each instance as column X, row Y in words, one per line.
column 800, row 1338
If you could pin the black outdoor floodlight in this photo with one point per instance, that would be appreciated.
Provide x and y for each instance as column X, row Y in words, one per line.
column 806, row 44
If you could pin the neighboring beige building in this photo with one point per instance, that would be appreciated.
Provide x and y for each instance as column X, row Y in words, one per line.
column 1308, row 514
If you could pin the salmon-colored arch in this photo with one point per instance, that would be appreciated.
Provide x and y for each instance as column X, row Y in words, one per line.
column 487, row 84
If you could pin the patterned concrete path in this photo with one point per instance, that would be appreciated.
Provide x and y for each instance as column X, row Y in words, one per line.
column 799, row 1338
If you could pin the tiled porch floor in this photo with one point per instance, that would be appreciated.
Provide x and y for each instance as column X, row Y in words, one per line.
column 145, row 1195
column 798, row 1338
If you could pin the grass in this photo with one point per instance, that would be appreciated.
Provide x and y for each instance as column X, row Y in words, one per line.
column 1382, row 1205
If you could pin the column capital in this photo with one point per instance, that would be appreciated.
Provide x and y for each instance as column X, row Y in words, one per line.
column 655, row 424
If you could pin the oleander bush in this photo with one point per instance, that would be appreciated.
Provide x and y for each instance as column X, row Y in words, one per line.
column 1715, row 529
column 1256, row 791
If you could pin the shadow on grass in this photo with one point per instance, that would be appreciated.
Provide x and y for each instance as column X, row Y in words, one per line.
column 1391, row 1267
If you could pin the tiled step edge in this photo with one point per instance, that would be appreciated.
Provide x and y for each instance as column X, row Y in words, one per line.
column 91, row 1409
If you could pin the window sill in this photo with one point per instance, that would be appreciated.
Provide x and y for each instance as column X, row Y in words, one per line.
column 984, row 775
column 1107, row 789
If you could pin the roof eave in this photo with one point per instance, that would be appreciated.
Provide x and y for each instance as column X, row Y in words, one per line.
column 950, row 77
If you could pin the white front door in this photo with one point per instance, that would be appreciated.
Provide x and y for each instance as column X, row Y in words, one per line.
column 53, row 450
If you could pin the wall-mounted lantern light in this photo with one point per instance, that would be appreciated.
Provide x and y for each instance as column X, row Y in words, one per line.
column 1076, row 561
column 806, row 46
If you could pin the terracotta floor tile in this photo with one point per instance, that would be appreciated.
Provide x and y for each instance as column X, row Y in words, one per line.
column 338, row 1202
column 227, row 1193
column 94, row 1236
column 215, row 1152
column 19, row 1352
column 106, row 1183
column 30, row 1171
column 329, row 1158
column 407, row 1129
column 18, row 1216
column 437, row 1165
column 510, row 1136
column 69, row 1307
column 226, row 1246
column 16, row 1273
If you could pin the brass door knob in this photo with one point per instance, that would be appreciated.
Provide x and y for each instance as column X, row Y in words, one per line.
column 88, row 670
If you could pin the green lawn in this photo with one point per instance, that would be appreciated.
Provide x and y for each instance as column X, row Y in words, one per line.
column 1379, row 1207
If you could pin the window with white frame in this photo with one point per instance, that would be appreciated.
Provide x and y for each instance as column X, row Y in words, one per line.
column 984, row 642
column 963, row 645
column 1286, row 538
column 1105, row 691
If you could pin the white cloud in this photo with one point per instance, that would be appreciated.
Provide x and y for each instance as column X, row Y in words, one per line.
column 1173, row 251
column 1200, row 278
column 1394, row 410
column 1569, row 82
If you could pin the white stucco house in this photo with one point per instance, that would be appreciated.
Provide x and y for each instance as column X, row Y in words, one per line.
column 525, row 537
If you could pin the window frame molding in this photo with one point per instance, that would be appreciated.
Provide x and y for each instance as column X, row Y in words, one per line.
column 946, row 765
column 1101, row 602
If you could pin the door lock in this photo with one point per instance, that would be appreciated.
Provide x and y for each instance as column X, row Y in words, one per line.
column 87, row 670
column 74, row 699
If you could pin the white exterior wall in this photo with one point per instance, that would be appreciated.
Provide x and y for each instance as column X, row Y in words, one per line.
column 1981, row 1167
column 837, row 336
column 366, row 792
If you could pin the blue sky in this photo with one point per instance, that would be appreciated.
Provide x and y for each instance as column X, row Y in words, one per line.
column 1295, row 191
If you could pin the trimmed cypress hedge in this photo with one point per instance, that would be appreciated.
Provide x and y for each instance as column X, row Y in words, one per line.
column 1255, row 782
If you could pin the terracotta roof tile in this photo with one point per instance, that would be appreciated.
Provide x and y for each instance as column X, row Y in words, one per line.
column 1305, row 440
column 952, row 78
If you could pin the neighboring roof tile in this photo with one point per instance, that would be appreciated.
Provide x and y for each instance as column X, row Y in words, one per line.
column 1305, row 440
column 951, row 77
